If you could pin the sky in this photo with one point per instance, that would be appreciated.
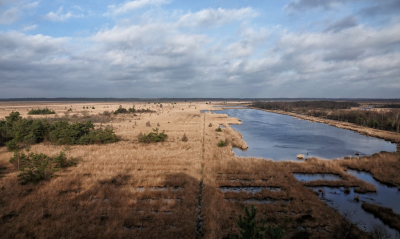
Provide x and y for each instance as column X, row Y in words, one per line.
column 208, row 48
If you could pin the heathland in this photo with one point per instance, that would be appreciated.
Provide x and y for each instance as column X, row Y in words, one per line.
column 161, row 177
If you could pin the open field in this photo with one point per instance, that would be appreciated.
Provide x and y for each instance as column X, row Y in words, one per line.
column 130, row 189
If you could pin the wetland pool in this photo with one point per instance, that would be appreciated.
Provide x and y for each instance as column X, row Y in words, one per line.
column 281, row 137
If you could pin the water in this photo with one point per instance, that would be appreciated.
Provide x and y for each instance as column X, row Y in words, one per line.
column 385, row 196
column 302, row 177
column 228, row 106
column 252, row 190
column 281, row 137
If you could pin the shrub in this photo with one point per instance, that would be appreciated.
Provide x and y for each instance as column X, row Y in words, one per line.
column 210, row 125
column 93, row 107
column 222, row 143
column 120, row 111
column 132, row 110
column 219, row 129
column 184, row 138
column 12, row 145
column 148, row 124
column 36, row 167
column 153, row 137
column 40, row 112
column 106, row 113
column 250, row 230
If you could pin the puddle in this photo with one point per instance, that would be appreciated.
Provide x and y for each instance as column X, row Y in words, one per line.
column 248, row 190
column 255, row 200
column 221, row 126
column 158, row 189
column 106, row 200
column 303, row 177
column 350, row 208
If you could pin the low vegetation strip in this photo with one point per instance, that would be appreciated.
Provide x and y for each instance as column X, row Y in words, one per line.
column 385, row 214
column 41, row 112
column 340, row 111
column 15, row 130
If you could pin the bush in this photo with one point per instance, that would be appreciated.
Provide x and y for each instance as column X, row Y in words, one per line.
column 120, row 111
column 41, row 112
column 222, row 143
column 210, row 125
column 184, row 138
column 93, row 107
column 250, row 230
column 132, row 110
column 36, row 167
column 148, row 124
column 219, row 129
column 106, row 113
column 12, row 145
column 153, row 137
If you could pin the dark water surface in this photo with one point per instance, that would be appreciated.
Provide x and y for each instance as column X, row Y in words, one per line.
column 280, row 137
column 385, row 196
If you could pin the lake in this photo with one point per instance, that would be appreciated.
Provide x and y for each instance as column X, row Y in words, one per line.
column 280, row 137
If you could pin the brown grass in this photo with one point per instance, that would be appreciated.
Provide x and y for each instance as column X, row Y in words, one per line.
column 385, row 214
column 112, row 193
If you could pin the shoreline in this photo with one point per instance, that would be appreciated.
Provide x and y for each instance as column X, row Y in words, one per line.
column 393, row 137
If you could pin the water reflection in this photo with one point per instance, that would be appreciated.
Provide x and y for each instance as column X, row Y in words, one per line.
column 302, row 177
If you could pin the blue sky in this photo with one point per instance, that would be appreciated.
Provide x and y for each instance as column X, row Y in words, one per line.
column 220, row 48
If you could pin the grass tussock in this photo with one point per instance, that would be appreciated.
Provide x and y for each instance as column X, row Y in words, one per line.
column 385, row 214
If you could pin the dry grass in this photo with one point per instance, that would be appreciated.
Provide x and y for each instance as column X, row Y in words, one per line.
column 112, row 193
column 385, row 214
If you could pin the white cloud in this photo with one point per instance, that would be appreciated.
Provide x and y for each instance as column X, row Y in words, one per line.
column 216, row 17
column 59, row 16
column 12, row 14
column 133, row 5
column 29, row 27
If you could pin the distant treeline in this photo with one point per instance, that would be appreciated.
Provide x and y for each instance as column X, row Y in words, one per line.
column 392, row 106
column 305, row 105
column 385, row 120
column 197, row 99
column 15, row 130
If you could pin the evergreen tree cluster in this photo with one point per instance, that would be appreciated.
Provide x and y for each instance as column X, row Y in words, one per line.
column 16, row 130
column 41, row 112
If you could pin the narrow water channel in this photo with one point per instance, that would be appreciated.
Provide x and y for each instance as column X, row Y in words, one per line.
column 280, row 137
column 346, row 204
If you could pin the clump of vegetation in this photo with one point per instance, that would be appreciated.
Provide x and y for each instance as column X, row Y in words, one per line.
column 222, row 143
column 120, row 110
column 35, row 167
column 152, row 137
column 41, row 112
column 93, row 107
column 148, row 124
column 132, row 110
column 218, row 129
column 184, row 138
column 106, row 113
column 31, row 131
column 78, row 133
column 250, row 230
column 210, row 125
